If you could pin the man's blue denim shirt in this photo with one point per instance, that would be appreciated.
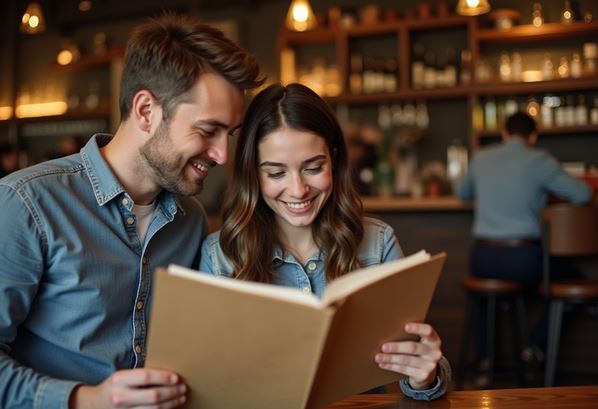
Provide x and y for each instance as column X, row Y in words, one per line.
column 75, row 281
column 379, row 244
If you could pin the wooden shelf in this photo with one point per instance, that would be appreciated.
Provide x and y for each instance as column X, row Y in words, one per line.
column 437, row 23
column 373, row 30
column 92, row 61
column 318, row 36
column 103, row 111
column 528, row 32
column 518, row 88
column 562, row 130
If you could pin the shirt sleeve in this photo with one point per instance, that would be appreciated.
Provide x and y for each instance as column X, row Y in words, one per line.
column 391, row 247
column 465, row 187
column 561, row 184
column 436, row 390
column 21, row 269
column 206, row 265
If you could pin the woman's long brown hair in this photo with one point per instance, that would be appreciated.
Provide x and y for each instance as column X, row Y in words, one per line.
column 248, row 233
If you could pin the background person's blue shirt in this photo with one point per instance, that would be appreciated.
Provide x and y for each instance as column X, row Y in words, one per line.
column 510, row 183
column 75, row 281
column 379, row 244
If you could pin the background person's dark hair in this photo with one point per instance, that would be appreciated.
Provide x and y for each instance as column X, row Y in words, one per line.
column 167, row 54
column 520, row 124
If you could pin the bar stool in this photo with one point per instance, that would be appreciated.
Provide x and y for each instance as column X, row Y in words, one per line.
column 492, row 292
column 570, row 231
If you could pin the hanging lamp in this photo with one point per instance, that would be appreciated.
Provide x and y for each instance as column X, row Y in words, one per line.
column 300, row 16
column 33, row 21
column 472, row 7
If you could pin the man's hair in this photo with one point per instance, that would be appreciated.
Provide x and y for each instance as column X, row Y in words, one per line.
column 520, row 124
column 167, row 54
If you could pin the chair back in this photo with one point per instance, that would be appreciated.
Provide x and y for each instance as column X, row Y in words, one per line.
column 567, row 230
column 570, row 230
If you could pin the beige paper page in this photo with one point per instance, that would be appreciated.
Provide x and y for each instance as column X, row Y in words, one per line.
column 234, row 349
column 371, row 316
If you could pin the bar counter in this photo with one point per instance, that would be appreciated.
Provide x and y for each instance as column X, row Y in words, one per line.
column 571, row 397
column 393, row 203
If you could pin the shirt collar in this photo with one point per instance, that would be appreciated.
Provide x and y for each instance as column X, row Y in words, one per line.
column 105, row 185
column 279, row 256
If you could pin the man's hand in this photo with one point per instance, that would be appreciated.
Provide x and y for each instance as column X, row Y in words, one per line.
column 132, row 388
column 416, row 359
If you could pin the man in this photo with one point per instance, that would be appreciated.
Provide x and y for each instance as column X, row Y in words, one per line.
column 510, row 183
column 83, row 234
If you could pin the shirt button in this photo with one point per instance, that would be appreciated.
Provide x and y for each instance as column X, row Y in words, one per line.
column 138, row 349
column 125, row 201
column 144, row 260
column 139, row 305
column 312, row 266
column 130, row 220
column 306, row 290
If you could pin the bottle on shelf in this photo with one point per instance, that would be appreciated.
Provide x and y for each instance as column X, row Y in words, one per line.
column 547, row 68
column 390, row 74
column 490, row 114
column 546, row 115
column 594, row 111
column 465, row 73
column 537, row 15
column 450, row 70
column 533, row 108
column 429, row 70
column 510, row 107
column 504, row 68
column 581, row 111
column 422, row 119
column 356, row 76
column 575, row 66
column 569, row 111
column 563, row 69
column 559, row 113
column 567, row 15
column 369, row 75
column 516, row 67
column 417, row 66
column 477, row 117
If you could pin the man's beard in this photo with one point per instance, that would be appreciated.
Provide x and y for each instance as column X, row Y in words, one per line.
column 166, row 166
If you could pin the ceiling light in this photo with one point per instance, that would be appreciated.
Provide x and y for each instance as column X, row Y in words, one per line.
column 473, row 7
column 300, row 16
column 33, row 21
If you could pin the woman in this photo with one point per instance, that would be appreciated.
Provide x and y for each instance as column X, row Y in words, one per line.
column 293, row 218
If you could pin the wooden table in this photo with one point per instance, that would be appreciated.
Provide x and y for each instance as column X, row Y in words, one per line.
column 567, row 397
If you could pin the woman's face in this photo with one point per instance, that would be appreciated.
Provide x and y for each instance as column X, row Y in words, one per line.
column 295, row 173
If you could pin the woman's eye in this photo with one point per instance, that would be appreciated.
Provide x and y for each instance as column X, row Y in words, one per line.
column 275, row 175
column 316, row 169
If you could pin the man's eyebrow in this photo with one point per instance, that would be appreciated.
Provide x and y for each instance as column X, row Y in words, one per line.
column 215, row 123
column 282, row 165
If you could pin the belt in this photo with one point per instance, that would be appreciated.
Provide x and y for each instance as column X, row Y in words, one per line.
column 508, row 242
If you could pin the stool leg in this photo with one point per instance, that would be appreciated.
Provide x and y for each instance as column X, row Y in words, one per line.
column 490, row 329
column 521, row 336
column 554, row 333
column 465, row 340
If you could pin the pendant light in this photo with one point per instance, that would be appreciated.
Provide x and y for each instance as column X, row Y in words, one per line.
column 473, row 7
column 33, row 21
column 300, row 16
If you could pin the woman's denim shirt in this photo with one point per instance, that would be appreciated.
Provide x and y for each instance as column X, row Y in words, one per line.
column 379, row 245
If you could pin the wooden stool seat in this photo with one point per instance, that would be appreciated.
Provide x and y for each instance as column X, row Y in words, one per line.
column 491, row 292
column 582, row 290
column 485, row 285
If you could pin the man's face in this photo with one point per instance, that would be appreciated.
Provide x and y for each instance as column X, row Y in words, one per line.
column 182, row 150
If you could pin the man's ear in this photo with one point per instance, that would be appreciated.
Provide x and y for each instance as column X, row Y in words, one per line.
column 144, row 105
column 532, row 138
column 504, row 134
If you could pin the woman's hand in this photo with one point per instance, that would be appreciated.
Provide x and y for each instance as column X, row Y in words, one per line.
column 416, row 359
